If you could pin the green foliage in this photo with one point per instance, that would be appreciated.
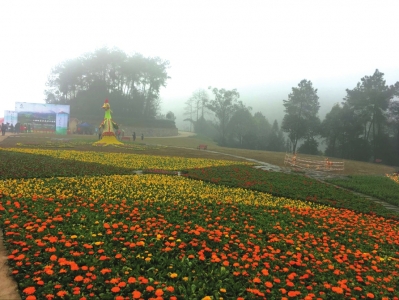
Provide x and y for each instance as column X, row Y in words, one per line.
column 369, row 101
column 380, row 187
column 301, row 110
column 290, row 186
column 132, row 83
column 309, row 147
column 223, row 106
column 23, row 165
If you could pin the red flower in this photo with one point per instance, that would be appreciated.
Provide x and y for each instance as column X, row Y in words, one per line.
column 149, row 288
column 131, row 280
column 29, row 290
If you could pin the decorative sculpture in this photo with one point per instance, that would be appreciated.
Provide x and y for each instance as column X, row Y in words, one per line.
column 107, row 128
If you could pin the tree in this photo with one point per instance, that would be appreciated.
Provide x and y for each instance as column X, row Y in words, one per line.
column 331, row 129
column 170, row 116
column 195, row 107
column 223, row 106
column 262, row 131
column 370, row 100
column 241, row 128
column 132, row 83
column 301, row 109
column 276, row 140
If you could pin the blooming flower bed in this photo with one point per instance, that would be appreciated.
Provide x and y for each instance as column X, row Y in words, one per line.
column 382, row 187
column 167, row 237
column 297, row 187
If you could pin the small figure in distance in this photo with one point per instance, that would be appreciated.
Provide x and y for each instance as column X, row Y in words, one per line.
column 142, row 136
column 134, row 136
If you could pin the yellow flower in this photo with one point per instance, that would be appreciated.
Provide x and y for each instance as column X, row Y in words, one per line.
column 207, row 298
column 148, row 259
column 185, row 278
column 74, row 236
column 173, row 275
column 223, row 290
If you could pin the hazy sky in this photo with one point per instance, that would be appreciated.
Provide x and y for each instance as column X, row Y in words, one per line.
column 262, row 48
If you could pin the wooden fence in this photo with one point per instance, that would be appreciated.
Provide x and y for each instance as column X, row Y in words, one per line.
column 294, row 160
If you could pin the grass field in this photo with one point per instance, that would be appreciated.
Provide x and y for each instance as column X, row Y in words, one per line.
column 78, row 223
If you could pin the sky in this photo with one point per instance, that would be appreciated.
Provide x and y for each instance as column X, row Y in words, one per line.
column 261, row 48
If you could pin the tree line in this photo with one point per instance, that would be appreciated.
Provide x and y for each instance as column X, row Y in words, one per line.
column 131, row 82
column 364, row 126
column 234, row 125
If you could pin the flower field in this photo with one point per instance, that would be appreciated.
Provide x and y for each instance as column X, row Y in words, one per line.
column 385, row 188
column 108, row 234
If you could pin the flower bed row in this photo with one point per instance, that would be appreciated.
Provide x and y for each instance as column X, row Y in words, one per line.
column 384, row 188
column 163, row 237
column 292, row 186
column 120, row 160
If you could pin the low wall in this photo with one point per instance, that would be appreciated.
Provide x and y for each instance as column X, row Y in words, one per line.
column 149, row 132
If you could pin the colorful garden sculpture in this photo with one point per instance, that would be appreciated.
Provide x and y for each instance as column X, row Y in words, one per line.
column 107, row 127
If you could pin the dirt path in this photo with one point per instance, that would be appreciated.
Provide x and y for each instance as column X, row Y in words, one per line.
column 8, row 287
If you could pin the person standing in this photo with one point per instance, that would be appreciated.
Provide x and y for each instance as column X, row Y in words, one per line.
column 3, row 129
column 134, row 136
column 142, row 136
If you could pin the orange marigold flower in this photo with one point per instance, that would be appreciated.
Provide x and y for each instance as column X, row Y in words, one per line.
column 370, row 295
column 337, row 289
column 78, row 278
column 104, row 271
column 31, row 297
column 62, row 293
column 131, row 280
column 115, row 289
column 268, row 284
column 136, row 294
column 170, row 289
column 29, row 290
column 159, row 292
column 257, row 280
column 149, row 288
column 293, row 293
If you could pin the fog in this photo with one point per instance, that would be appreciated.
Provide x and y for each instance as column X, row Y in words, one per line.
column 261, row 48
column 268, row 98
